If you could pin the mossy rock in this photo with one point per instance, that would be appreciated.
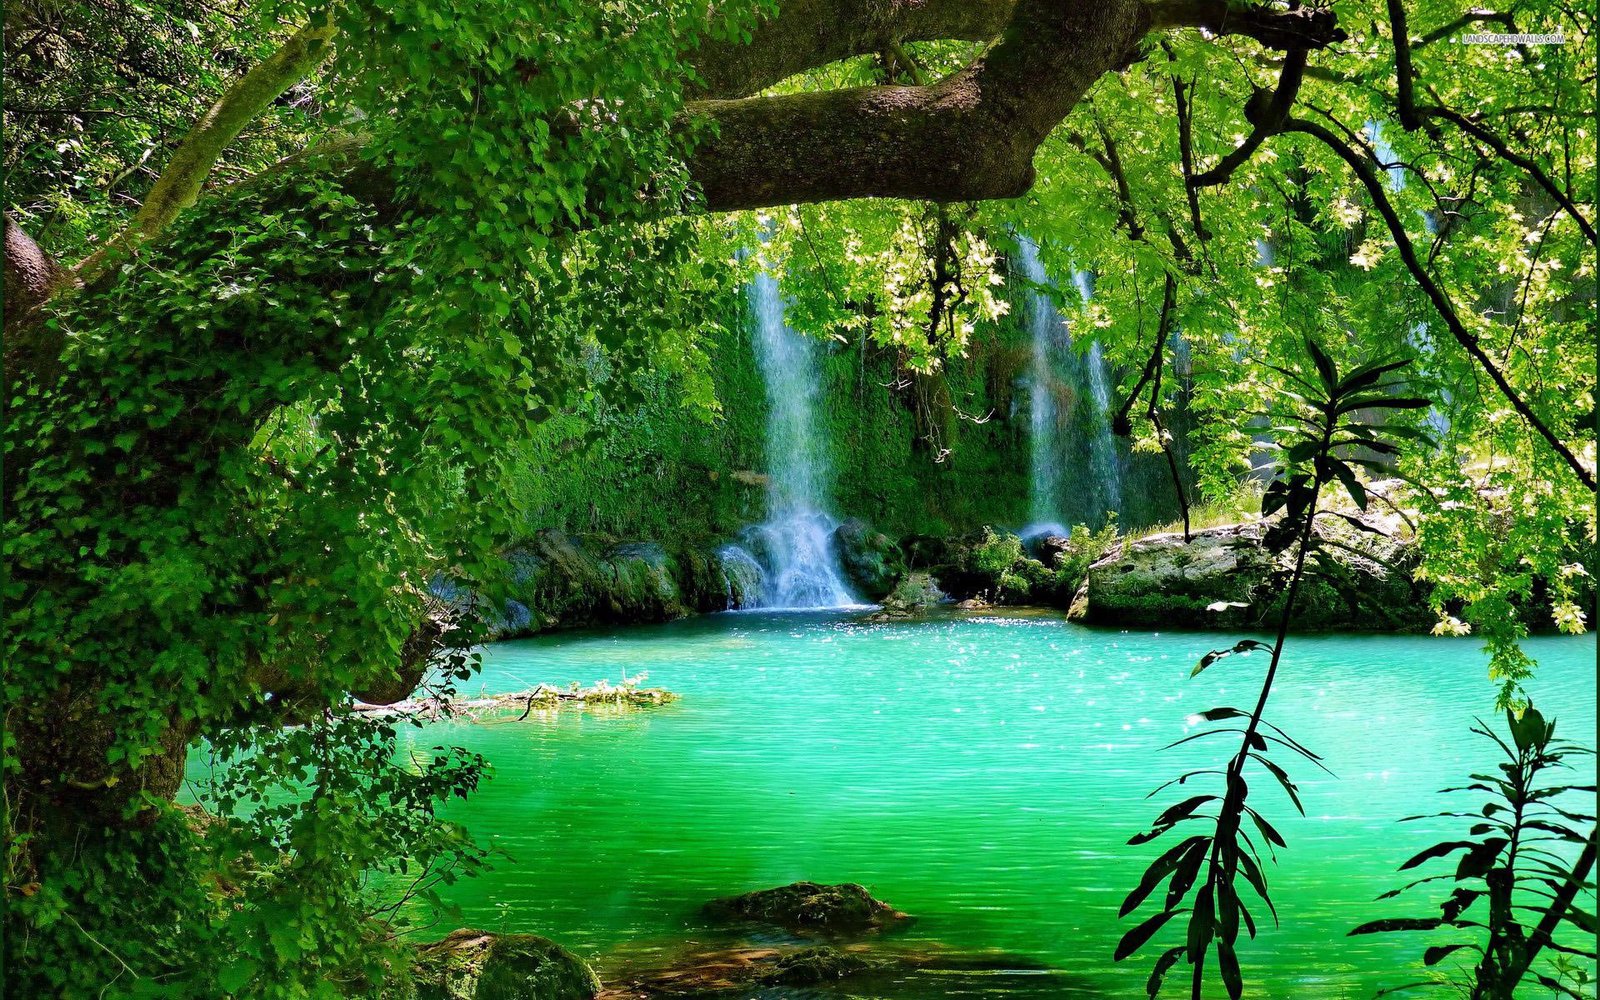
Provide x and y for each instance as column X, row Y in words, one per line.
column 871, row 561
column 1224, row 578
column 807, row 908
column 477, row 965
column 814, row 966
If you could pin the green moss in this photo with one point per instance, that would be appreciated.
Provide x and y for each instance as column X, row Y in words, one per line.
column 656, row 468
column 475, row 965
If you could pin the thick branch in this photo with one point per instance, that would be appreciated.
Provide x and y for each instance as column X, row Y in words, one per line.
column 805, row 34
column 970, row 136
column 1266, row 114
column 31, row 275
column 1441, row 302
column 1405, row 100
column 179, row 184
column 1302, row 28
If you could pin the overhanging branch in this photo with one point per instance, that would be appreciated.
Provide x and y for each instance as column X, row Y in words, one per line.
column 1441, row 302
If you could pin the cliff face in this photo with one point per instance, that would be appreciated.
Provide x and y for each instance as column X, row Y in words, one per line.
column 912, row 454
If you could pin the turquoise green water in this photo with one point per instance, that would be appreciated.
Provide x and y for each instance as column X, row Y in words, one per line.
column 982, row 774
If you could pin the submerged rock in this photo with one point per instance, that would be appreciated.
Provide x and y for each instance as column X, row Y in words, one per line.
column 914, row 971
column 810, row 966
column 871, row 561
column 477, row 965
column 807, row 908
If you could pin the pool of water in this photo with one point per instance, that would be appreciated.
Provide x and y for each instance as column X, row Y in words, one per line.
column 983, row 774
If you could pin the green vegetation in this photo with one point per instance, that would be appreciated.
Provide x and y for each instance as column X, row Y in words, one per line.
column 1518, row 862
column 310, row 305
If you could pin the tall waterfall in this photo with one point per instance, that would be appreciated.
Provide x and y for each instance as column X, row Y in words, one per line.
column 795, row 543
column 1076, row 472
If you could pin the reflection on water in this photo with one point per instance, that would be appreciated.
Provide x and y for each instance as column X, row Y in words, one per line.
column 983, row 775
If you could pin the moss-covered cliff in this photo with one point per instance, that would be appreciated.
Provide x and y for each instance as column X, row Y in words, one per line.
column 912, row 454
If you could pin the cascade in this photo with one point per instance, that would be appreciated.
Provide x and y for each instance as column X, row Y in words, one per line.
column 795, row 544
column 1075, row 471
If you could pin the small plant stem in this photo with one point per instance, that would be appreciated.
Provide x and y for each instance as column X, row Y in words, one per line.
column 1233, row 802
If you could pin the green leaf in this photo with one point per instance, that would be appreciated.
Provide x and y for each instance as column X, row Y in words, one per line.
column 1325, row 368
column 234, row 976
column 1398, row 924
column 1135, row 938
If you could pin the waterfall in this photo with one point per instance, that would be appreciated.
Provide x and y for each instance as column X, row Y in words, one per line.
column 1107, row 466
column 1074, row 466
column 795, row 544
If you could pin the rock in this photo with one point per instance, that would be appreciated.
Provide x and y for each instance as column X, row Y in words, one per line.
column 811, row 966
column 743, row 580
column 556, row 580
column 910, row 599
column 1049, row 548
column 1223, row 578
column 871, row 561
column 478, row 965
column 912, row 971
column 806, row 908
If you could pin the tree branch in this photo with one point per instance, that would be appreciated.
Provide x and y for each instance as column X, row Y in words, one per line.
column 179, row 184
column 971, row 136
column 805, row 34
column 1412, row 116
column 1506, row 153
column 1441, row 302
column 1300, row 28
column 1266, row 113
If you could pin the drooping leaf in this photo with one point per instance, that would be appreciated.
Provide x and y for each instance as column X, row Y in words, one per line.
column 1437, row 954
column 1398, row 924
column 1228, row 965
column 1168, row 959
column 1135, row 938
column 1158, row 870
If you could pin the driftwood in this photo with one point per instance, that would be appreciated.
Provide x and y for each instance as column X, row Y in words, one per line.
column 544, row 698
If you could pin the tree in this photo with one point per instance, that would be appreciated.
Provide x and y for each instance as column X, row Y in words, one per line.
column 254, row 411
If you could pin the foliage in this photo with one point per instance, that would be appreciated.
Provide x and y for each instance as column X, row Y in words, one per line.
column 244, row 453
column 994, row 553
column 993, row 564
column 1324, row 437
column 228, row 515
column 99, row 94
column 1518, row 859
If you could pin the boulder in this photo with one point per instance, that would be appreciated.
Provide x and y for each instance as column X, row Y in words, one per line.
column 807, row 908
column 871, row 561
column 1049, row 548
column 1224, row 578
column 478, row 965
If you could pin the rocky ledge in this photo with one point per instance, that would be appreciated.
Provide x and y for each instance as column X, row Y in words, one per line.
column 1224, row 578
